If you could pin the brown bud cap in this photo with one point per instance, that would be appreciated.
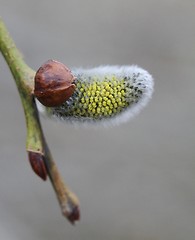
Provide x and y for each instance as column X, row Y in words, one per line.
column 74, row 216
column 54, row 84
column 37, row 164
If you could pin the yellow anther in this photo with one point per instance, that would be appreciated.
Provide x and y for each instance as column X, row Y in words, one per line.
column 113, row 100
column 96, row 99
column 123, row 92
column 115, row 105
column 104, row 103
column 98, row 88
column 106, row 85
column 103, row 92
column 94, row 104
column 119, row 87
column 106, row 108
column 99, row 104
column 119, row 94
column 100, row 99
column 107, row 94
column 108, row 102
column 115, row 89
column 118, row 99
column 90, row 107
column 97, row 93
column 111, row 106
column 111, row 91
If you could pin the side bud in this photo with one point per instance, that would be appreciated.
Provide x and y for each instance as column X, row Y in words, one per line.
column 37, row 163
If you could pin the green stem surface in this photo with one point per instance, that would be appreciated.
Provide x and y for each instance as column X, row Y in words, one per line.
column 24, row 79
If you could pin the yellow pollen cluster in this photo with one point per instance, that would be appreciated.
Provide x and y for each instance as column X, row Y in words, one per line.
column 99, row 99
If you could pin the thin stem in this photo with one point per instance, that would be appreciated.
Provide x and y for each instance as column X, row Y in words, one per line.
column 24, row 78
column 39, row 153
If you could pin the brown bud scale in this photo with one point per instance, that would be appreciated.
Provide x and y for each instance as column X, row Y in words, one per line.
column 54, row 83
column 37, row 164
column 74, row 215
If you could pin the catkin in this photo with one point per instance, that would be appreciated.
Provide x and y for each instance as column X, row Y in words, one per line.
column 108, row 94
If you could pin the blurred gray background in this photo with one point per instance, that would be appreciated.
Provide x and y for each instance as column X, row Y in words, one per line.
column 135, row 181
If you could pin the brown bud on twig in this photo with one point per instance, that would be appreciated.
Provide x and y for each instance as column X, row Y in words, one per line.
column 37, row 164
column 54, row 83
column 74, row 216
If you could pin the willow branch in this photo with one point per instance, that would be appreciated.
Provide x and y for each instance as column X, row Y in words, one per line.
column 39, row 154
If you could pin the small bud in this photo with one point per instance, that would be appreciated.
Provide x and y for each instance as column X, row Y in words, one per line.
column 54, row 83
column 74, row 215
column 37, row 164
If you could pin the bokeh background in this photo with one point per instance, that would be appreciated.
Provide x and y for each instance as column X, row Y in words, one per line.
column 135, row 181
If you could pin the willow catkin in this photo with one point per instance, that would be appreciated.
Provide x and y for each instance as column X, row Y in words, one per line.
column 105, row 95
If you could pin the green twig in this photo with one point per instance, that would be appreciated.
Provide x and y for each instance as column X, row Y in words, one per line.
column 38, row 151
